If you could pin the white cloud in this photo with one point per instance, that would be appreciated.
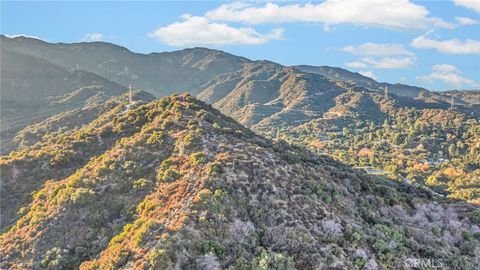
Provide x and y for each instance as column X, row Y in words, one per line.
column 369, row 74
column 466, row 21
column 193, row 30
column 451, row 46
column 393, row 14
column 383, row 63
column 356, row 64
column 374, row 49
column 470, row 4
column 380, row 56
column 446, row 68
column 89, row 37
column 449, row 75
column 390, row 62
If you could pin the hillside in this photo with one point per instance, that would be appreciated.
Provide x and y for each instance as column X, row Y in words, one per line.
column 175, row 184
column 304, row 105
column 158, row 73
column 265, row 95
column 55, row 148
column 253, row 92
column 74, row 119
column 400, row 138
column 461, row 97
column 265, row 91
column 184, row 70
column 363, row 81
column 34, row 89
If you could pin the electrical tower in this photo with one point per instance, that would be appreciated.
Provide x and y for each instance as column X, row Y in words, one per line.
column 130, row 100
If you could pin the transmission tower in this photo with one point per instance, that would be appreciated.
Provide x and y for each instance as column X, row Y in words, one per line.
column 130, row 100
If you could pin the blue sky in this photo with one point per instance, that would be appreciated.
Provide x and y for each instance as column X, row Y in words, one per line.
column 434, row 44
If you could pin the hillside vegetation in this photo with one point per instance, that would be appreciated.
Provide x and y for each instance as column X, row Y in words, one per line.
column 34, row 89
column 438, row 148
column 177, row 184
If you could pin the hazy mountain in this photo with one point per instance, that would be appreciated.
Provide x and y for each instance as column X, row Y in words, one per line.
column 397, row 88
column 177, row 71
column 467, row 96
column 175, row 184
column 33, row 89
column 75, row 119
column 264, row 95
column 258, row 93
column 360, row 80
column 267, row 91
column 159, row 73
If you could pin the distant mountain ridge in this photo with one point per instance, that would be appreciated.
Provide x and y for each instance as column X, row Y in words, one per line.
column 33, row 88
column 360, row 80
column 259, row 94
column 176, row 71
column 159, row 73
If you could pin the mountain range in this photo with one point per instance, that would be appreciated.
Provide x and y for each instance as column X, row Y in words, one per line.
column 256, row 90
column 250, row 170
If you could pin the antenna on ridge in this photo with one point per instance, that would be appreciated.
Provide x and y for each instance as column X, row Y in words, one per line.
column 130, row 99
column 130, row 94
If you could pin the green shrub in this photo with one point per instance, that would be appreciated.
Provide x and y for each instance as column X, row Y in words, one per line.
column 156, row 139
column 158, row 259
column 380, row 247
column 62, row 157
column 198, row 158
column 142, row 184
column 475, row 216
column 82, row 196
column 353, row 236
column 190, row 140
column 214, row 169
column 272, row 260
column 169, row 175
column 214, row 247
column 56, row 258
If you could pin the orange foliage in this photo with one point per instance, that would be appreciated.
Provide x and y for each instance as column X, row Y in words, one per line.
column 365, row 152
column 421, row 167
column 317, row 144
column 451, row 172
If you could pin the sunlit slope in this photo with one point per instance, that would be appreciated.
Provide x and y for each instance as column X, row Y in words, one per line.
column 189, row 187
